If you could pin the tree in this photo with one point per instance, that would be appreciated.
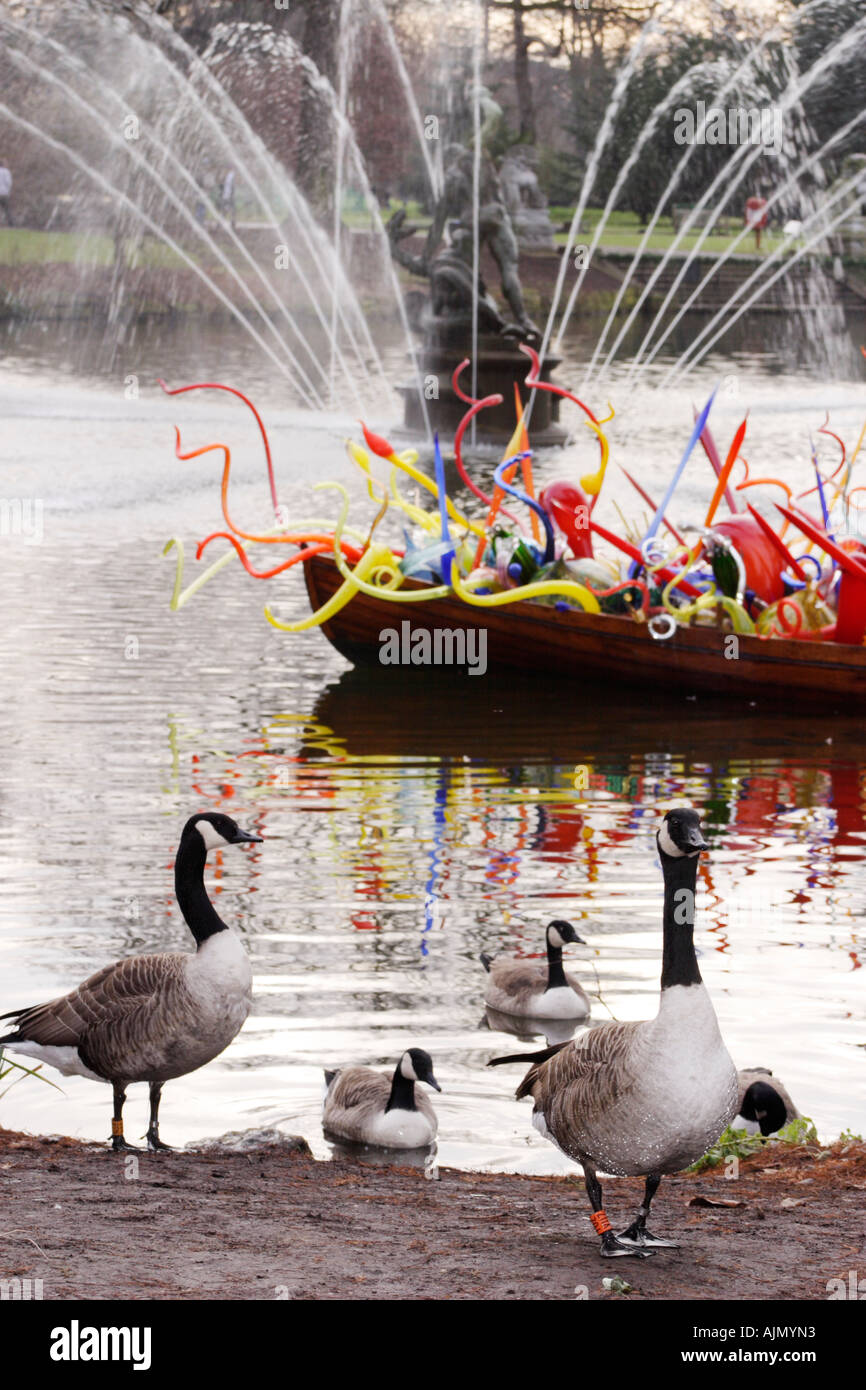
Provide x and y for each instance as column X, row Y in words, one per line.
column 841, row 94
column 704, row 63
column 571, row 28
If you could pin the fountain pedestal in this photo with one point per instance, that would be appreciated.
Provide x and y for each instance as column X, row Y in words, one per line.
column 500, row 366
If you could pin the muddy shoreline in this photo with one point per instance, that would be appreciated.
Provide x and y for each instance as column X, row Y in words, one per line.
column 272, row 1223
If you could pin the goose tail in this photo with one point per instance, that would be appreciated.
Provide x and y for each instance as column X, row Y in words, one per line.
column 535, row 1060
column 529, row 1057
column 15, row 1035
column 486, row 961
column 21, row 1019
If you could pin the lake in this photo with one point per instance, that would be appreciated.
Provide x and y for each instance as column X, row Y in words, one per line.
column 408, row 824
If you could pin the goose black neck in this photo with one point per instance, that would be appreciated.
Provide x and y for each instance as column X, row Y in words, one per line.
column 198, row 911
column 679, row 963
column 555, row 973
column 402, row 1095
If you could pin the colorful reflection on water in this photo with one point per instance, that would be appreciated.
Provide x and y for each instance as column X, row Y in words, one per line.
column 408, row 825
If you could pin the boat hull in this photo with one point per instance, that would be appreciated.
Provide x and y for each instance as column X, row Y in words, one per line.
column 604, row 648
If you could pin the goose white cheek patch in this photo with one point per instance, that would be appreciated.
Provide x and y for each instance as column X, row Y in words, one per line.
column 554, row 937
column 406, row 1068
column 667, row 845
column 212, row 838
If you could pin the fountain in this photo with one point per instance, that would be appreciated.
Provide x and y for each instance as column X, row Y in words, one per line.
column 130, row 139
column 461, row 320
column 852, row 237
column 135, row 134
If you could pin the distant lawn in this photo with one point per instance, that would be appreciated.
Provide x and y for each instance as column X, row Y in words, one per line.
column 629, row 238
column 23, row 246
column 624, row 231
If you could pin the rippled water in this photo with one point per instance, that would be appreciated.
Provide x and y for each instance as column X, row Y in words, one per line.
column 407, row 826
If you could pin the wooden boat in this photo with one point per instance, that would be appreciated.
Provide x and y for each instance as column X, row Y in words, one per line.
column 612, row 650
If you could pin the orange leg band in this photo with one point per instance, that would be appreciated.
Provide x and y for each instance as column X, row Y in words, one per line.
column 117, row 1128
column 600, row 1222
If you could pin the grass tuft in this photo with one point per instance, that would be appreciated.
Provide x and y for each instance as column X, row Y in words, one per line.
column 738, row 1143
column 7, row 1066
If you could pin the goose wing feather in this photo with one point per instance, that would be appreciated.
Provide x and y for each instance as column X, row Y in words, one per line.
column 355, row 1099
column 584, row 1078
column 792, row 1111
column 110, row 1016
column 518, row 977
column 359, row 1088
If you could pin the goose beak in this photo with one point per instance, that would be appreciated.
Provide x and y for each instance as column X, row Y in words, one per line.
column 244, row 838
column 431, row 1081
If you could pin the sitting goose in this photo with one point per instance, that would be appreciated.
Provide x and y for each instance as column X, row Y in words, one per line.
column 364, row 1106
column 152, row 1018
column 643, row 1098
column 536, row 989
column 764, row 1102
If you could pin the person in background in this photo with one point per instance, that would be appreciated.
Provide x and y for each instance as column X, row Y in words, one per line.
column 5, row 192
column 756, row 217
column 228, row 196
column 208, row 186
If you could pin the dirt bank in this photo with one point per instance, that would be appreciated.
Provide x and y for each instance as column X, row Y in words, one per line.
column 271, row 1222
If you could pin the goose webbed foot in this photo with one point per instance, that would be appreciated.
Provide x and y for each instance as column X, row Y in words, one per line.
column 155, row 1144
column 637, row 1235
column 121, row 1145
column 612, row 1246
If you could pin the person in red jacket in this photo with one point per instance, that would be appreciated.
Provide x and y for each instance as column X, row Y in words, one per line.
column 756, row 217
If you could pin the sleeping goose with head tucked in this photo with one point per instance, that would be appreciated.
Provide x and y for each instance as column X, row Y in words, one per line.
column 643, row 1098
column 534, row 988
column 764, row 1102
column 368, row 1107
column 152, row 1018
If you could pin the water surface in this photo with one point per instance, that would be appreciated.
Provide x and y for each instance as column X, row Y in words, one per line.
column 407, row 827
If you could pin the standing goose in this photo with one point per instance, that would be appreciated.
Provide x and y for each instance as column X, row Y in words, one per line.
column 364, row 1106
column 643, row 1098
column 152, row 1018
column 537, row 989
column 764, row 1102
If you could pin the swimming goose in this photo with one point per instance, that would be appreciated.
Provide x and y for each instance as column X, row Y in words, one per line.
column 537, row 989
column 643, row 1098
column 763, row 1101
column 365, row 1106
column 152, row 1018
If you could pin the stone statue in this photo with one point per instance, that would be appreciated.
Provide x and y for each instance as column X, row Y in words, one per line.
column 450, row 276
column 499, row 367
column 527, row 205
column 454, row 211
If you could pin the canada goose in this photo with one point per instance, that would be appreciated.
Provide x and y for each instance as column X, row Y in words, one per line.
column 537, row 989
column 152, row 1018
column 643, row 1098
column 763, row 1101
column 365, row 1106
